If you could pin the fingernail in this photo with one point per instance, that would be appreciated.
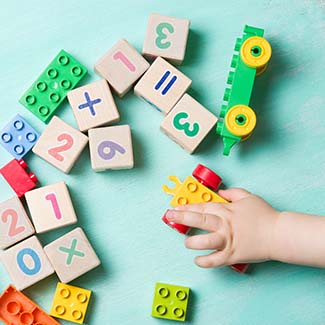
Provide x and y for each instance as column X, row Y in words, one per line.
column 170, row 215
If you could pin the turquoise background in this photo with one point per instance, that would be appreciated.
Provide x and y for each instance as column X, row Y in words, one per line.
column 120, row 211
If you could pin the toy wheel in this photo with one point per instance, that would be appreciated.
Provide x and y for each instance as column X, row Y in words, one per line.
column 240, row 120
column 256, row 52
column 180, row 228
column 207, row 177
column 261, row 70
column 240, row 268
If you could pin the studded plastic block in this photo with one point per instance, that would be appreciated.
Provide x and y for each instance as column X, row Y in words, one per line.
column 70, row 303
column 15, row 173
column 18, row 137
column 17, row 309
column 170, row 302
column 51, row 87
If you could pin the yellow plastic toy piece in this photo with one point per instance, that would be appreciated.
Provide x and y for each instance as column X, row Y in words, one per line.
column 240, row 120
column 190, row 192
column 256, row 52
column 70, row 303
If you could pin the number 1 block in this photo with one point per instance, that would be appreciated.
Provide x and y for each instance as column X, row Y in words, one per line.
column 51, row 207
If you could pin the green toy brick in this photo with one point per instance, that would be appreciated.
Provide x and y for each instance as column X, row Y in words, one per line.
column 170, row 302
column 51, row 87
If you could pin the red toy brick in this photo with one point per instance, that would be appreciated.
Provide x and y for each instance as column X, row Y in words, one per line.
column 180, row 228
column 240, row 268
column 207, row 177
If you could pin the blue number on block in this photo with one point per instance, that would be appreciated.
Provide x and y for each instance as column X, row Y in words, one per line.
column 22, row 265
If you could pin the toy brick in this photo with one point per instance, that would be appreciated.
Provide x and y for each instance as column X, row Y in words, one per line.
column 170, row 302
column 72, row 255
column 166, row 37
column 18, row 137
column 15, row 173
column 162, row 85
column 51, row 87
column 93, row 105
column 60, row 144
column 16, row 308
column 188, row 123
column 111, row 148
column 121, row 66
column 14, row 223
column 26, row 263
column 70, row 303
column 51, row 207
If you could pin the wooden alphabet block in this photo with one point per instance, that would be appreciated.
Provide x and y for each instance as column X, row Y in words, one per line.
column 111, row 148
column 166, row 37
column 60, row 144
column 188, row 123
column 26, row 263
column 121, row 66
column 71, row 255
column 14, row 223
column 51, row 207
column 93, row 105
column 162, row 85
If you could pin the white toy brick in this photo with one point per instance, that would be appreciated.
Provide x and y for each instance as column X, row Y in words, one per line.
column 51, row 207
column 60, row 144
column 26, row 263
column 71, row 255
column 93, row 105
column 14, row 223
column 166, row 37
column 162, row 85
column 188, row 123
column 121, row 66
column 111, row 148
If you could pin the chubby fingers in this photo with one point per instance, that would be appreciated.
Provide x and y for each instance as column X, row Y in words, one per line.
column 207, row 241
column 212, row 260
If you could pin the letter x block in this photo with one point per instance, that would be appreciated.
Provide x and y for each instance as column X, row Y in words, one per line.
column 162, row 85
column 72, row 255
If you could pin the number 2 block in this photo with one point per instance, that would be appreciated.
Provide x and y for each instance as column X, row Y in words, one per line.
column 51, row 207
column 111, row 148
column 60, row 144
column 188, row 123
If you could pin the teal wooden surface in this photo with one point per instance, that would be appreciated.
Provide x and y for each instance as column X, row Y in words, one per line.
column 120, row 210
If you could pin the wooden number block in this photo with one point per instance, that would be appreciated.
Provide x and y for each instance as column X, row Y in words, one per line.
column 121, row 66
column 60, row 144
column 26, row 263
column 72, row 255
column 51, row 207
column 14, row 223
column 188, row 123
column 93, row 105
column 162, row 85
column 111, row 148
column 166, row 37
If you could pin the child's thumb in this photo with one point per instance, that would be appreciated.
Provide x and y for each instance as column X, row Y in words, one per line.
column 234, row 194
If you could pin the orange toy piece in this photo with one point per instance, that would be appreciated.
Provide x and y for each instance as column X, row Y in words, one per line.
column 17, row 309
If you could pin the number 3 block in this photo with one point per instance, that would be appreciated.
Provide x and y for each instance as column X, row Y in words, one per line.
column 111, row 148
column 188, row 123
column 51, row 207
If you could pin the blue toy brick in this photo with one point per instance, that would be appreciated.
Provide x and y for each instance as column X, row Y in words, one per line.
column 18, row 137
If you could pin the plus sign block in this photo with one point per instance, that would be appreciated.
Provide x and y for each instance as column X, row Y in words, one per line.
column 93, row 105
column 18, row 137
column 70, row 303
column 14, row 223
column 60, row 144
column 121, row 66
column 51, row 87
column 72, row 255
column 166, row 37
column 162, row 85
column 51, row 207
column 26, row 263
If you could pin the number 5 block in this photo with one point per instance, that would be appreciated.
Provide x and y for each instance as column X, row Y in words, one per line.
column 188, row 123
column 51, row 207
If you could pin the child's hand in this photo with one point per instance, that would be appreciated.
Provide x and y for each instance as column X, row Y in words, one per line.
column 240, row 231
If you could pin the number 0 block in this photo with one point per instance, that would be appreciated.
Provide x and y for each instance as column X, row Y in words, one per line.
column 26, row 263
column 111, row 148
column 188, row 123
column 51, row 207
column 60, row 144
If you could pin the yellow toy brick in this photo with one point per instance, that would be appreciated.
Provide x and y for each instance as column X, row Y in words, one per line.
column 70, row 303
